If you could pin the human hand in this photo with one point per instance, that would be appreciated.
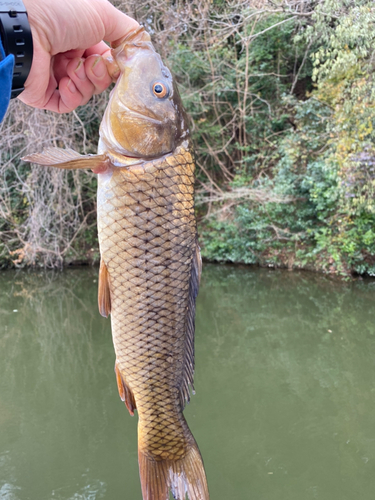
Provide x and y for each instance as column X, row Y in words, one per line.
column 70, row 57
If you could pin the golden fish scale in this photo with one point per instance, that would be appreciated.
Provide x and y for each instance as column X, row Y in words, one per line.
column 147, row 236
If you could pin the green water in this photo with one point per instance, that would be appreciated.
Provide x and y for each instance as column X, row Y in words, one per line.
column 285, row 403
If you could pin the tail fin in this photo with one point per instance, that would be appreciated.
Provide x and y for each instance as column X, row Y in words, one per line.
column 184, row 476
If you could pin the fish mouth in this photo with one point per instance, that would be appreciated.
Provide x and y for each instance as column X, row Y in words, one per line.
column 136, row 37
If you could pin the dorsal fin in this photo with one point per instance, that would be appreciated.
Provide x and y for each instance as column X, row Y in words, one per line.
column 188, row 370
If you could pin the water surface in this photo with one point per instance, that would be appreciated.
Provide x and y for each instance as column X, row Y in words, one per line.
column 285, row 403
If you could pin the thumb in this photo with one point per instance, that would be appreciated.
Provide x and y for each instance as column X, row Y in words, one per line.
column 116, row 24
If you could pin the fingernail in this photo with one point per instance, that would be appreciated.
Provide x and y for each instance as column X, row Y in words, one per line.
column 80, row 70
column 115, row 75
column 70, row 85
column 98, row 68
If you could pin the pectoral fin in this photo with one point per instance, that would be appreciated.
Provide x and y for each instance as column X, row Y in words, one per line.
column 104, row 292
column 125, row 392
column 67, row 159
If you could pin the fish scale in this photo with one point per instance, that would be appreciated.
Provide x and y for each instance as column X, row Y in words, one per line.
column 157, row 298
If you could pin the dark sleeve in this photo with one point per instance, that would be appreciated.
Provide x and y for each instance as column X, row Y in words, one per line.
column 6, row 75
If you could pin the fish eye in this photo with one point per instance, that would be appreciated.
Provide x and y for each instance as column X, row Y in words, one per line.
column 160, row 90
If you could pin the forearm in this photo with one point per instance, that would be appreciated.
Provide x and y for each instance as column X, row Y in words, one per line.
column 69, row 54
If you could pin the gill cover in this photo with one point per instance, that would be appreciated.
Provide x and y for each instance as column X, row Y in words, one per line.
column 144, row 117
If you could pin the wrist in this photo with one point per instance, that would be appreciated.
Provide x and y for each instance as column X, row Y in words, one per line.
column 17, row 40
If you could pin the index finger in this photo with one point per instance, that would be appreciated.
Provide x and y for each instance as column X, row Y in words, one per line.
column 102, row 49
column 97, row 49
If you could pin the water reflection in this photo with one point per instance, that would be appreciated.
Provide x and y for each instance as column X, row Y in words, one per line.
column 60, row 418
column 290, row 358
column 285, row 389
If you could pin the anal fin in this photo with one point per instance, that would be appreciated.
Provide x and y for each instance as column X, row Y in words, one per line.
column 104, row 293
column 125, row 392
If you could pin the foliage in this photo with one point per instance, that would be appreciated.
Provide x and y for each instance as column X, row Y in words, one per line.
column 281, row 98
column 324, row 161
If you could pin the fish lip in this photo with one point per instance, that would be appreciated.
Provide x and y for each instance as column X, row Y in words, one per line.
column 137, row 37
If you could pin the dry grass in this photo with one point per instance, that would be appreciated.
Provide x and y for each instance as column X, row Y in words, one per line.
column 43, row 210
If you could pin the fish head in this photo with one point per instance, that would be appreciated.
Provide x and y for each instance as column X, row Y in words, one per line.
column 145, row 116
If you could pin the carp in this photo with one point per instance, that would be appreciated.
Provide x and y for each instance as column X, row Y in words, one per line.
column 150, row 260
